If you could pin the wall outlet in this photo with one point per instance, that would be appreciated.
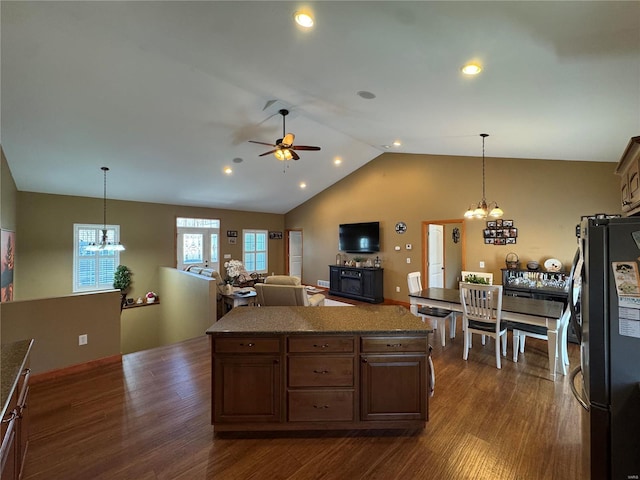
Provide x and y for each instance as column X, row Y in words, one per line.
column 408, row 259
column 481, row 264
column 82, row 339
column 398, row 289
column 408, row 246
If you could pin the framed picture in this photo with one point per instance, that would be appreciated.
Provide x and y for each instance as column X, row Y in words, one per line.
column 489, row 241
column 232, row 240
column 499, row 223
column 507, row 223
column 491, row 224
column 8, row 240
column 513, row 232
column 500, row 241
column 510, row 240
column 232, row 233
column 130, row 301
column 275, row 235
column 486, row 232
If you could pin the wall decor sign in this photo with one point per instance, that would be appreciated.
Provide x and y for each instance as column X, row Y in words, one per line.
column 275, row 235
column 232, row 240
column 232, row 233
column 8, row 240
column 500, row 232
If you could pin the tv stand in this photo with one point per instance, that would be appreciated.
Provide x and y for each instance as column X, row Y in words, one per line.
column 359, row 283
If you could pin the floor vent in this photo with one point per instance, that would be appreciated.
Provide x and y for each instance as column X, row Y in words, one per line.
column 323, row 283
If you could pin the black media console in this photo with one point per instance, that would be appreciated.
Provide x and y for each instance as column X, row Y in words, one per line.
column 358, row 283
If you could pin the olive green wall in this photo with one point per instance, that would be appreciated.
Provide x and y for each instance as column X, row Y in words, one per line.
column 44, row 260
column 544, row 198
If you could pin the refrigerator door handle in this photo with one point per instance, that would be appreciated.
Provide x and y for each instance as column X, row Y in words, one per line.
column 572, row 384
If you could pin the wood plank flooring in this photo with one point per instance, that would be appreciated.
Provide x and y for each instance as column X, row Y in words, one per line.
column 149, row 418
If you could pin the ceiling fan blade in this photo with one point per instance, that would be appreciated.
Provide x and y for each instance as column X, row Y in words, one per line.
column 267, row 153
column 288, row 139
column 294, row 155
column 304, row 147
column 262, row 143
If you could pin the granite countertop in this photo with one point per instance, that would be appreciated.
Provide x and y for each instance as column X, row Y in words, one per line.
column 13, row 357
column 392, row 319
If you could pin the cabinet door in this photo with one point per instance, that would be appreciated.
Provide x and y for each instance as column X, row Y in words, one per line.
column 247, row 388
column 334, row 279
column 393, row 387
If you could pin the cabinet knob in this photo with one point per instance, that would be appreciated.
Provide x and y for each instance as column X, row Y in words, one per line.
column 324, row 345
column 247, row 344
column 394, row 345
column 321, row 406
column 321, row 371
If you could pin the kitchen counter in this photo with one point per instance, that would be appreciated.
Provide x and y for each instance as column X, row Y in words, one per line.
column 364, row 319
column 13, row 357
column 319, row 368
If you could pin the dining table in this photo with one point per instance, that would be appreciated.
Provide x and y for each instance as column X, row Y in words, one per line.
column 532, row 311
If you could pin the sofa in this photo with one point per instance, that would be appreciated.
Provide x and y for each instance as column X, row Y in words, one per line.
column 278, row 290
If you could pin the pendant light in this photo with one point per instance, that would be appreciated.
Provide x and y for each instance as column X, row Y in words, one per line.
column 104, row 244
column 482, row 210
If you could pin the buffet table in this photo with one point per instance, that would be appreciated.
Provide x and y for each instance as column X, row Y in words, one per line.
column 319, row 368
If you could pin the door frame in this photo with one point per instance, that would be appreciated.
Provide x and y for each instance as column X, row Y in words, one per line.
column 425, row 245
column 287, row 250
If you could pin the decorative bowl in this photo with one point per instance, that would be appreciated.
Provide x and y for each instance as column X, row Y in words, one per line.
column 533, row 265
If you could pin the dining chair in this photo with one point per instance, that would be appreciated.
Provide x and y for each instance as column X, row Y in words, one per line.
column 437, row 316
column 482, row 314
column 521, row 331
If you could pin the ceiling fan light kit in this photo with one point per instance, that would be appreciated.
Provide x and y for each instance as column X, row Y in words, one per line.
column 484, row 209
column 284, row 149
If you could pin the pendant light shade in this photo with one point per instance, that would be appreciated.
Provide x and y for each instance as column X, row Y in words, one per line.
column 105, row 244
column 482, row 209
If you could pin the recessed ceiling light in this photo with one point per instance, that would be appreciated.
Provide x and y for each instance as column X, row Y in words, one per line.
column 366, row 95
column 337, row 161
column 471, row 69
column 397, row 143
column 237, row 160
column 228, row 170
column 303, row 185
column 386, row 146
column 304, row 19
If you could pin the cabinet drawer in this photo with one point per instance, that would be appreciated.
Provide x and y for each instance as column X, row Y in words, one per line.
column 321, row 405
column 247, row 345
column 314, row 344
column 321, row 371
column 394, row 344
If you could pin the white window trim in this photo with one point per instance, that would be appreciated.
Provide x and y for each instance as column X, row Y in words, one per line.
column 266, row 250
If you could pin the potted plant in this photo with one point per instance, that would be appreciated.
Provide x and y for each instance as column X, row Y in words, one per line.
column 476, row 279
column 122, row 282
column 358, row 261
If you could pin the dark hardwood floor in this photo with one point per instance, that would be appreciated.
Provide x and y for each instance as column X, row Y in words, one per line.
column 149, row 418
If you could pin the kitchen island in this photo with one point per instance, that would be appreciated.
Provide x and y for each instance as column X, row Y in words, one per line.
column 319, row 368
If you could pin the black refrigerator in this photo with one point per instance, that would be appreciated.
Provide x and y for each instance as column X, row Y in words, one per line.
column 608, row 327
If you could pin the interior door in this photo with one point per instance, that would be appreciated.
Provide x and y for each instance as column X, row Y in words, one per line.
column 435, row 261
column 295, row 253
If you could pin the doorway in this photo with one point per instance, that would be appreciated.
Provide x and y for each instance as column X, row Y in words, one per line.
column 294, row 253
column 448, row 250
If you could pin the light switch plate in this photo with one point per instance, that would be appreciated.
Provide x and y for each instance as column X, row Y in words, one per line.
column 397, row 248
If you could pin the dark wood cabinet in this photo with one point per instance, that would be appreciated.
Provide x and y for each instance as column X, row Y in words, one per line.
column 629, row 170
column 310, row 382
column 394, row 378
column 15, row 423
column 247, row 380
column 363, row 284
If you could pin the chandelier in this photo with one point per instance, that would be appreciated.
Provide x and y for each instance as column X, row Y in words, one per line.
column 482, row 209
column 105, row 244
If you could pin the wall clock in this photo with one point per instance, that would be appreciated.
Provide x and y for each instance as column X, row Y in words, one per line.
column 401, row 227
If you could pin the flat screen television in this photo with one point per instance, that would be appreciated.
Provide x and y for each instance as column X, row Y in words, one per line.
column 359, row 237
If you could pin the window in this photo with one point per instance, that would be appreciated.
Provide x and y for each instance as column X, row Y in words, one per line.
column 198, row 242
column 254, row 250
column 93, row 270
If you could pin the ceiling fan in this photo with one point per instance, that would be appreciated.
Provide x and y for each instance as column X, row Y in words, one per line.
column 284, row 147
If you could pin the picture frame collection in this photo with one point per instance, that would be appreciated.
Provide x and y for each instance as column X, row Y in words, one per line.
column 500, row 232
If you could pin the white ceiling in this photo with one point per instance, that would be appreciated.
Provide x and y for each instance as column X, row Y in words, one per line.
column 166, row 94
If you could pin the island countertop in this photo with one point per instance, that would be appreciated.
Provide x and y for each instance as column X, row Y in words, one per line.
column 374, row 319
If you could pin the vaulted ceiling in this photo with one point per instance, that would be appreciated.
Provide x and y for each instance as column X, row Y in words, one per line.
column 167, row 94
